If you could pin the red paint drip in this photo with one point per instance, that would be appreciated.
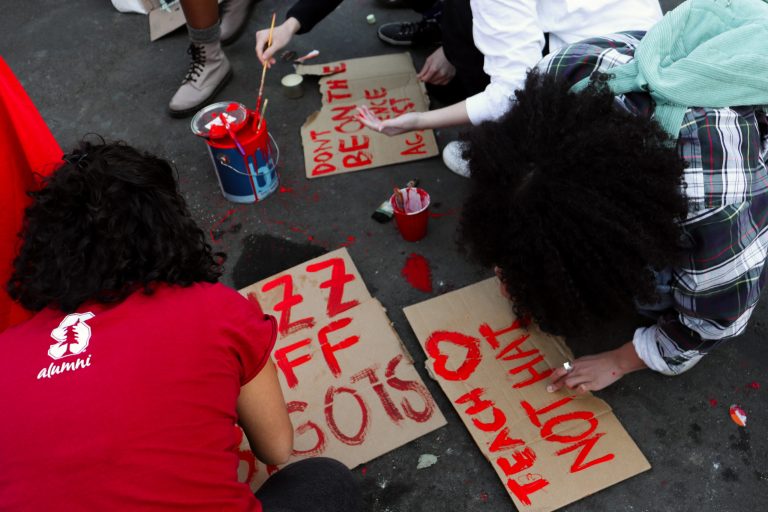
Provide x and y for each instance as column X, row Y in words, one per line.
column 712, row 402
column 416, row 271
column 754, row 385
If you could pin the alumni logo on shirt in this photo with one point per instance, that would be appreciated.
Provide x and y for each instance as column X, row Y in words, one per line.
column 72, row 337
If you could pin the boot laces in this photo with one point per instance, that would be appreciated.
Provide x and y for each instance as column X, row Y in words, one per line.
column 197, row 52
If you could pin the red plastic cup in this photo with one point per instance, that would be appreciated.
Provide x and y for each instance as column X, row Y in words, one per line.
column 413, row 224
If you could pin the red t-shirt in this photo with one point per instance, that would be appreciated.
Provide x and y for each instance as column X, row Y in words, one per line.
column 130, row 406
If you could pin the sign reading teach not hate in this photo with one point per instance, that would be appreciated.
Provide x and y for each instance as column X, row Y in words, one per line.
column 549, row 449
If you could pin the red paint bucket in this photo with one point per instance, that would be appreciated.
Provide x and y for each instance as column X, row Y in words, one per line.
column 412, row 220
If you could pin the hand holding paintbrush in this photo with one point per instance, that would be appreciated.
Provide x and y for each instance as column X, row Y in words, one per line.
column 265, row 65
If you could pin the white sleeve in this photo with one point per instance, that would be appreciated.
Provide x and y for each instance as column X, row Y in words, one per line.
column 508, row 35
column 660, row 353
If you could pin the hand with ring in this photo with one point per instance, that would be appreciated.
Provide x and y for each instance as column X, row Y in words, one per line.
column 592, row 373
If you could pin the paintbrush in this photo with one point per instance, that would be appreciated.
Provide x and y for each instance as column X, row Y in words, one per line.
column 399, row 199
column 261, row 116
column 264, row 69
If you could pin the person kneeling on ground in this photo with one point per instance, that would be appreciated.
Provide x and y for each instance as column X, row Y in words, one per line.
column 588, row 208
column 123, row 391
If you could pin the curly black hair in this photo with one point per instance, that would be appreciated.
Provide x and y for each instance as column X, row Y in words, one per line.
column 107, row 222
column 576, row 201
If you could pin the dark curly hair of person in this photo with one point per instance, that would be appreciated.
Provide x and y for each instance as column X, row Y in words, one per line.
column 576, row 201
column 106, row 223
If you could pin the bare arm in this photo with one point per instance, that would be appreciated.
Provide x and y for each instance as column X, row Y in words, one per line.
column 453, row 115
column 264, row 417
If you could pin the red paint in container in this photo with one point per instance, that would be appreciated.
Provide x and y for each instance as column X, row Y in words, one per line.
column 412, row 218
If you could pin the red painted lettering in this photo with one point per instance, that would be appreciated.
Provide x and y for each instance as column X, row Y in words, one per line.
column 358, row 437
column 321, row 169
column 492, row 337
column 356, row 144
column 375, row 94
column 321, row 154
column 504, row 442
column 284, row 306
column 479, row 405
column 409, row 385
column 305, row 427
column 522, row 491
column 378, row 387
column 401, row 105
column 586, row 446
column 536, row 375
column 341, row 67
column 361, row 159
column 333, row 94
column 467, row 366
column 287, row 365
column 415, row 147
column 338, row 280
column 347, row 114
column 524, row 459
column 547, row 431
column 329, row 350
column 534, row 414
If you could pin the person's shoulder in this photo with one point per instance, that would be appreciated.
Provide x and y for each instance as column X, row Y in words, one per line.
column 582, row 58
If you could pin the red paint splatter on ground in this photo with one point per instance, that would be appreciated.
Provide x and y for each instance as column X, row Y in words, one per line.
column 754, row 385
column 310, row 237
column 484, row 497
column 284, row 190
column 215, row 231
column 351, row 239
column 364, row 470
column 297, row 229
column 712, row 402
column 416, row 271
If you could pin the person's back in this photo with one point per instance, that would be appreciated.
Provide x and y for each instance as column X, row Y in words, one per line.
column 123, row 391
column 130, row 406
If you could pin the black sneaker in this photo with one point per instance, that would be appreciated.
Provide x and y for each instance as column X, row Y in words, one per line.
column 424, row 32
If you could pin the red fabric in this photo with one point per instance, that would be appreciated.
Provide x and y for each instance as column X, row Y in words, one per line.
column 26, row 145
column 146, row 420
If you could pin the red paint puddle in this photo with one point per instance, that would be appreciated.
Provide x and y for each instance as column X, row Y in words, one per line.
column 754, row 385
column 712, row 402
column 416, row 272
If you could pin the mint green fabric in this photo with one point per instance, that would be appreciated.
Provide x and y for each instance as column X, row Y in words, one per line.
column 704, row 53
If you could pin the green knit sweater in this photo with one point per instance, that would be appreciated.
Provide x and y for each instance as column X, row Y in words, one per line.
column 704, row 53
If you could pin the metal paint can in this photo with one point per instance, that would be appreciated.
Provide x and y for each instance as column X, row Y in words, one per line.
column 249, row 177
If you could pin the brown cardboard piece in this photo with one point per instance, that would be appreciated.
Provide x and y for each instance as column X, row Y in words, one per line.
column 165, row 16
column 351, row 388
column 549, row 449
column 336, row 142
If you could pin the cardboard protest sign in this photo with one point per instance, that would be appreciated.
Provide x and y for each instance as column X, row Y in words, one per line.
column 335, row 141
column 351, row 388
column 549, row 449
